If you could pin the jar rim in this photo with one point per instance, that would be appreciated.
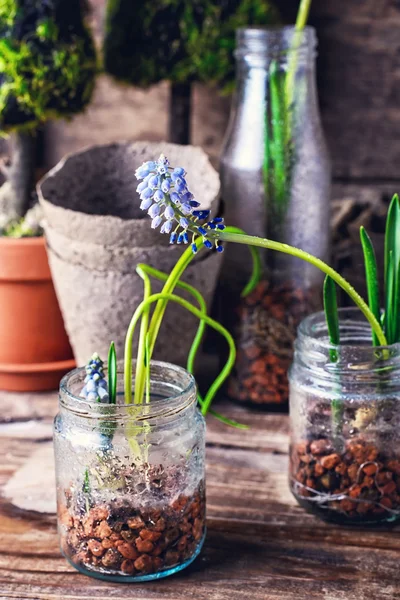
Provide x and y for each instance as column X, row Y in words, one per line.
column 351, row 322
column 184, row 396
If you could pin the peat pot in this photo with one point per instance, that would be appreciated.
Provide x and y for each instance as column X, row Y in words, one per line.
column 131, row 479
column 97, row 234
column 34, row 347
column 345, row 423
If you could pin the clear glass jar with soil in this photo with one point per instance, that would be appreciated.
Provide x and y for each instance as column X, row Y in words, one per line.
column 131, row 479
column 275, row 173
column 345, row 423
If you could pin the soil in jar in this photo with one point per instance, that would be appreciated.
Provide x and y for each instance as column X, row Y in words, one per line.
column 124, row 539
column 360, row 484
column 264, row 328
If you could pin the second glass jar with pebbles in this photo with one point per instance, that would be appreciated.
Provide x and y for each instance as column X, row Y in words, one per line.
column 276, row 175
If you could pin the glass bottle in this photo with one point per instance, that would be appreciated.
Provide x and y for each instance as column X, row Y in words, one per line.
column 276, row 175
column 345, row 423
column 131, row 479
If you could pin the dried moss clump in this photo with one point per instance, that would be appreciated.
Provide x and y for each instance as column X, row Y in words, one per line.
column 47, row 61
column 179, row 40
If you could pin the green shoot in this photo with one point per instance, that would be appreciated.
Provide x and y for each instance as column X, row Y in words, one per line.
column 112, row 374
column 150, row 271
column 392, row 267
column 331, row 315
column 371, row 275
column 332, row 320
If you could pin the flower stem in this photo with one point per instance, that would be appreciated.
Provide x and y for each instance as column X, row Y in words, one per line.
column 226, row 236
column 303, row 13
column 145, row 305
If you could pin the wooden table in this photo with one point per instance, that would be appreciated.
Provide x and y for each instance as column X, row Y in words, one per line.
column 260, row 544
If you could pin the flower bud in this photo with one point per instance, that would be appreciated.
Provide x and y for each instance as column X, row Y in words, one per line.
column 169, row 212
column 159, row 196
column 154, row 210
column 156, row 222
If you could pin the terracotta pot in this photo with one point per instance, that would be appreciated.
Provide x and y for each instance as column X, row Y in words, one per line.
column 34, row 347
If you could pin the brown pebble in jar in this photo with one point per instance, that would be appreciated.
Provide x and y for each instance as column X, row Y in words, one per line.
column 103, row 530
column 127, row 551
column 96, row 548
column 151, row 536
column 111, row 558
column 128, row 567
column 143, row 563
column 135, row 523
column 144, row 545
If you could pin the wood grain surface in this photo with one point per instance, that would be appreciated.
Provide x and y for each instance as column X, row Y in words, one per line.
column 260, row 544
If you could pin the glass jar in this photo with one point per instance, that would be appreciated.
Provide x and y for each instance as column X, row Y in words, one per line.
column 131, row 479
column 345, row 423
column 276, row 175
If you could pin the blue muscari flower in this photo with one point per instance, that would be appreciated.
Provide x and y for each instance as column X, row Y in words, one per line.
column 154, row 210
column 201, row 214
column 179, row 171
column 194, row 248
column 145, row 204
column 187, row 197
column 166, row 186
column 168, row 226
column 154, row 182
column 156, row 222
column 186, row 209
column 176, row 199
column 159, row 196
column 142, row 172
column 162, row 165
column 142, row 186
column 95, row 388
column 147, row 193
column 169, row 212
column 180, row 186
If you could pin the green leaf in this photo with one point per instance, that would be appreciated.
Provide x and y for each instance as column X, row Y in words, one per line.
column 371, row 274
column 392, row 262
column 390, row 287
column 331, row 315
column 112, row 374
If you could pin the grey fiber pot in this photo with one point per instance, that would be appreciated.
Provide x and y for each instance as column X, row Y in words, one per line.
column 96, row 235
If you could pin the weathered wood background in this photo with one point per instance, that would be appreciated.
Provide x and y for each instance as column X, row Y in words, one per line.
column 359, row 85
column 260, row 544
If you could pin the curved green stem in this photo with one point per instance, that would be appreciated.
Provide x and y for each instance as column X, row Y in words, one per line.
column 168, row 288
column 200, row 331
column 257, row 266
column 141, row 355
column 226, row 236
column 143, row 306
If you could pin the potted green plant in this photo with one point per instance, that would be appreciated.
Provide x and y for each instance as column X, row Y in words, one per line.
column 130, row 442
column 179, row 41
column 47, row 70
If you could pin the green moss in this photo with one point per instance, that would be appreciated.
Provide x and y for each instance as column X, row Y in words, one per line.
column 47, row 61
column 180, row 40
